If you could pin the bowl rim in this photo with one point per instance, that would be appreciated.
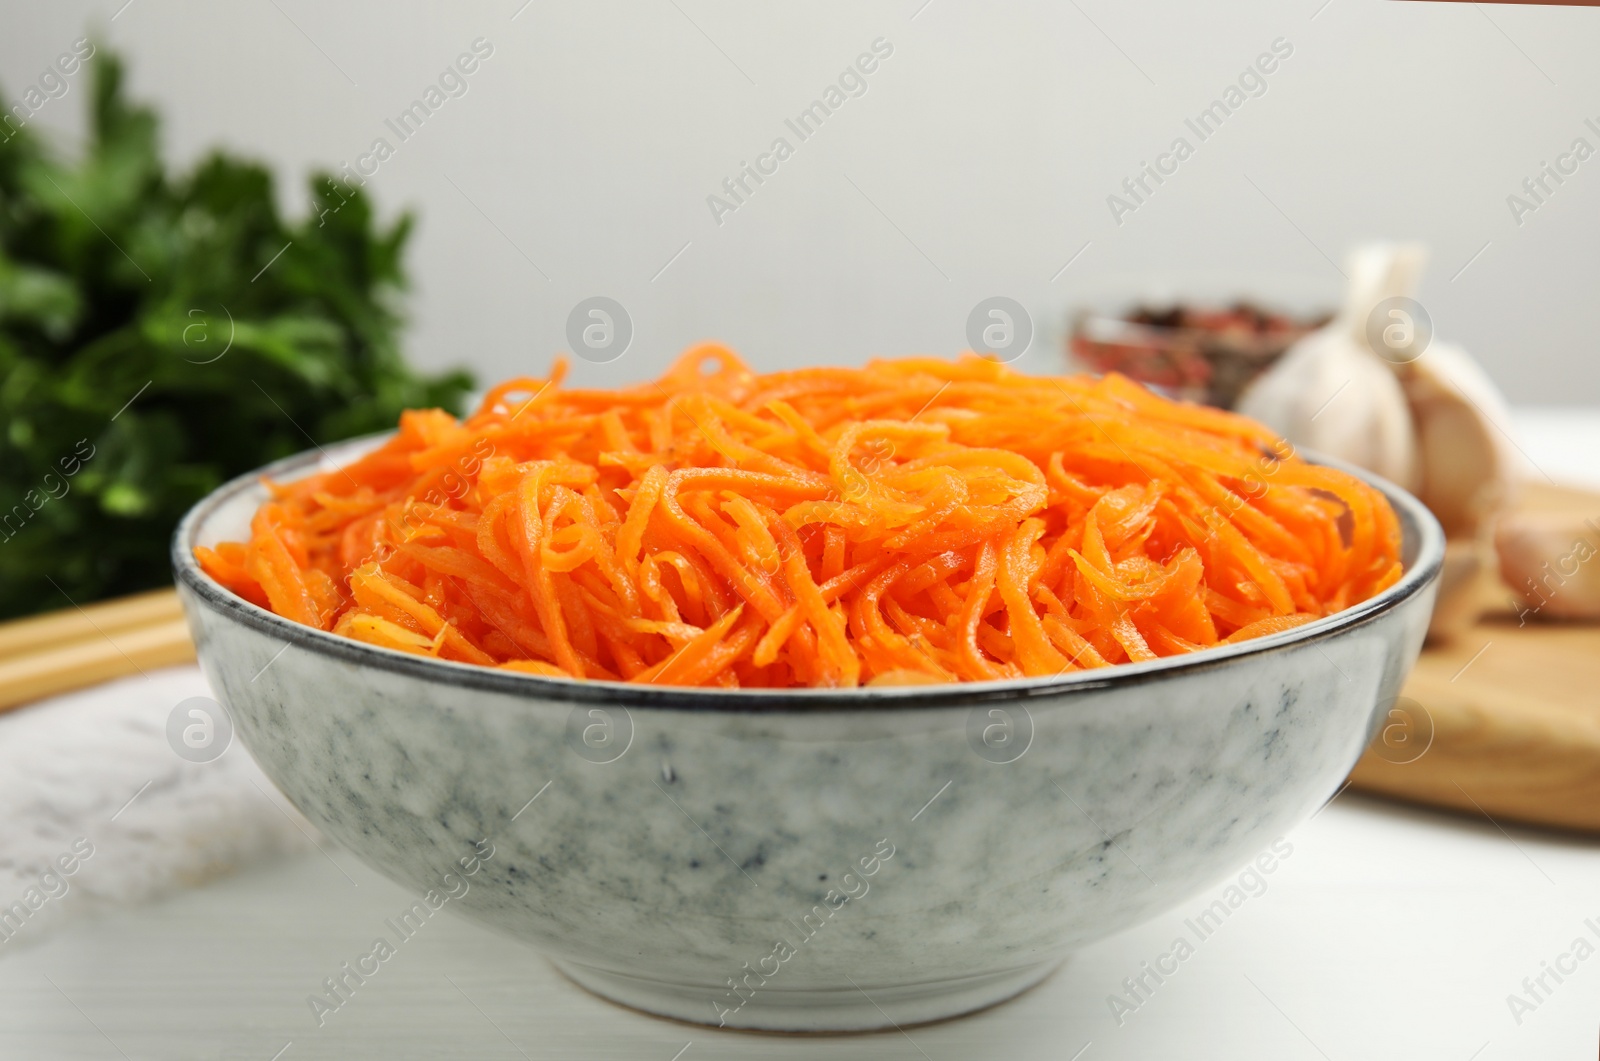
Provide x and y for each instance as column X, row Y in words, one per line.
column 1415, row 520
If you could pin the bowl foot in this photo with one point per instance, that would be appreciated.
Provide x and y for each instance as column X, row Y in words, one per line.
column 818, row 1009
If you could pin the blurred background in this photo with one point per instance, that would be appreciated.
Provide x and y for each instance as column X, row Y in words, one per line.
column 978, row 162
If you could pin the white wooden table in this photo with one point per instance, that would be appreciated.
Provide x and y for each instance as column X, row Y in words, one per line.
column 1388, row 933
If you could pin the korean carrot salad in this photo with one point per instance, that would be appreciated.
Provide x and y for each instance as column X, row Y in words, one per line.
column 914, row 520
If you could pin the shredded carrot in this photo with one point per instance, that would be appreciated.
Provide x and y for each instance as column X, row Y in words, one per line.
column 912, row 521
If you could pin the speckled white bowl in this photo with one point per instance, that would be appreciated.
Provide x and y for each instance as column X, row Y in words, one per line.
column 804, row 860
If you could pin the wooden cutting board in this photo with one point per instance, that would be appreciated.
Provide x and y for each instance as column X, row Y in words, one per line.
column 1504, row 720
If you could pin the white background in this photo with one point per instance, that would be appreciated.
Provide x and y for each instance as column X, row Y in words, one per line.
column 978, row 162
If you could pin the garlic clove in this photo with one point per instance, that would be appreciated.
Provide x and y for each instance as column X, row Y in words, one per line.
column 1467, row 465
column 1551, row 561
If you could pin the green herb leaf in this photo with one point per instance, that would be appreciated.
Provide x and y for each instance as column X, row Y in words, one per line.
column 149, row 352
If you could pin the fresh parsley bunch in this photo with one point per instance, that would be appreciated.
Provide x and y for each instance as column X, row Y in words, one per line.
column 149, row 351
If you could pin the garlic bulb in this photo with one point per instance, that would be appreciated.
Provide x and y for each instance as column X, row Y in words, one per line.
column 1422, row 414
column 1331, row 393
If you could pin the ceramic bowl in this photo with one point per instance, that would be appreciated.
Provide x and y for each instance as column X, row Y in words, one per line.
column 802, row 860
